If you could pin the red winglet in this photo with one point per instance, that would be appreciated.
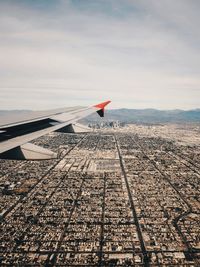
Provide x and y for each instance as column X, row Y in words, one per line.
column 102, row 105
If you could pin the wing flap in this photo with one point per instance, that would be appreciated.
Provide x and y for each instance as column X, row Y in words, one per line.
column 75, row 128
column 28, row 151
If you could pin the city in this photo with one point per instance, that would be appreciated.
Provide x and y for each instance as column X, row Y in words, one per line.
column 99, row 133
column 115, row 197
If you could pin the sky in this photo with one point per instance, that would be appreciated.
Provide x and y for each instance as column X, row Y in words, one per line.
column 136, row 53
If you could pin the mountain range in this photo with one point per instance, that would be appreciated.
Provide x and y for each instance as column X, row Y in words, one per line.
column 137, row 115
column 148, row 116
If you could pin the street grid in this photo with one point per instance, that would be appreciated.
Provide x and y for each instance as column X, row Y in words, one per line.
column 113, row 198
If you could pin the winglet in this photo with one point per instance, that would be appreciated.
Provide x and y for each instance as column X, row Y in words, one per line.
column 101, row 107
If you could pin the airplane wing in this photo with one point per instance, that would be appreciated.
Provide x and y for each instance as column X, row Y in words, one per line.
column 17, row 131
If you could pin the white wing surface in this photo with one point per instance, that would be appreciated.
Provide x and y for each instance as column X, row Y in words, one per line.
column 16, row 131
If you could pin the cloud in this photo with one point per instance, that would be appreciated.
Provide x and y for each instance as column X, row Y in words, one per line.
column 139, row 54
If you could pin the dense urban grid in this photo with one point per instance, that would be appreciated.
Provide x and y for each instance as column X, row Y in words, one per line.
column 115, row 197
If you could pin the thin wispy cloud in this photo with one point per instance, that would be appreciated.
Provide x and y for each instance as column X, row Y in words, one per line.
column 139, row 54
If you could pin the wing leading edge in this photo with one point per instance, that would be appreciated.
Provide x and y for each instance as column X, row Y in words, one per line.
column 16, row 134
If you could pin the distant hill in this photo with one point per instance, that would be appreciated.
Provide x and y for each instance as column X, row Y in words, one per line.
column 148, row 116
column 137, row 116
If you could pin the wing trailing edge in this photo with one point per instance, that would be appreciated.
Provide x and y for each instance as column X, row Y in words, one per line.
column 74, row 128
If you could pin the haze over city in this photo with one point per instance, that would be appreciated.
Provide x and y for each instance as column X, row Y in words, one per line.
column 140, row 54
